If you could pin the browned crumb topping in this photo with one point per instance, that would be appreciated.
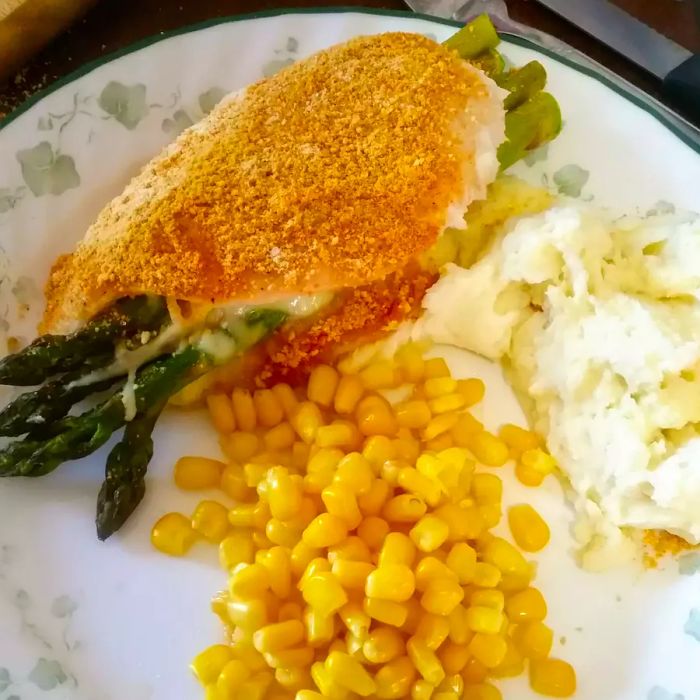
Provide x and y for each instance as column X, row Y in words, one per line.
column 659, row 544
column 332, row 173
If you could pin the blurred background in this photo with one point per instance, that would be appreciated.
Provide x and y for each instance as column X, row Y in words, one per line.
column 42, row 40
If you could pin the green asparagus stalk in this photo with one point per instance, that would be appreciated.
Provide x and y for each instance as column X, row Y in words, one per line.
column 53, row 354
column 124, row 485
column 522, row 83
column 474, row 38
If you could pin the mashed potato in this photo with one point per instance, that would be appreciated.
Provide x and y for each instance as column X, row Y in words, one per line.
column 597, row 321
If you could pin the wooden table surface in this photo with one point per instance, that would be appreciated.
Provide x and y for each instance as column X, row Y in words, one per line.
column 112, row 24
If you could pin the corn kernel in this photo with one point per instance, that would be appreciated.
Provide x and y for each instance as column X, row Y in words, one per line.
column 488, row 598
column 325, row 530
column 422, row 690
column 436, row 367
column 279, row 636
column 173, row 534
column 277, row 563
column 377, row 450
column 244, row 410
column 487, row 489
column 301, row 556
column 248, row 581
column 453, row 657
column 389, row 471
column 459, row 631
column 433, row 630
column 424, row 659
column 474, row 671
column 379, row 375
column 350, row 390
column 430, row 569
column 281, row 437
column 298, row 657
column 488, row 449
column 293, row 678
column 382, row 645
column 386, row 611
column 338, row 434
column 267, row 408
column 462, row 560
column 526, row 605
column 254, row 473
column 240, row 446
column 354, row 472
column 483, row 619
column 440, row 425
column 321, row 469
column 341, row 502
column 324, row 593
column 486, row 575
column 353, row 646
column 429, row 533
column 512, row 664
column 397, row 549
column 198, row 473
column 453, row 683
column 352, row 574
column 300, row 455
column 249, row 515
column 289, row 611
column 446, row 404
column 281, row 533
column 350, row 673
column 395, row 678
column 527, row 475
column 248, row 614
column 284, row 494
column 472, row 390
column 413, row 414
column 306, row 421
column 552, row 677
column 221, row 412
column 375, row 417
column 327, row 688
column 410, row 359
column 320, row 628
column 482, row 691
column 353, row 548
column 236, row 548
column 394, row 582
column 233, row 484
column 503, row 555
column 355, row 619
column 372, row 502
column 439, row 386
column 442, row 596
column 210, row 520
column 231, row 678
column 464, row 428
column 464, row 523
column 411, row 480
column 208, row 664
column 287, row 399
column 405, row 508
column 529, row 530
column 518, row 438
column 315, row 566
column 406, row 447
column 489, row 649
column 372, row 531
column 533, row 639
column 322, row 384
column 539, row 461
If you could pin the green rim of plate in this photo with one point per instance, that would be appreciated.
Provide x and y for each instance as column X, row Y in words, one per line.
column 191, row 28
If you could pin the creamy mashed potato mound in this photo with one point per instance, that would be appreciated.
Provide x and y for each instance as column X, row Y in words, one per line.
column 597, row 322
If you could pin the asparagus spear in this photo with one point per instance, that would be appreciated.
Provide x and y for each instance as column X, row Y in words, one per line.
column 474, row 38
column 522, row 83
column 52, row 354
column 124, row 485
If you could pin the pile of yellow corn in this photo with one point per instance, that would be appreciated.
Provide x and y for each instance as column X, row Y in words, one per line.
column 358, row 550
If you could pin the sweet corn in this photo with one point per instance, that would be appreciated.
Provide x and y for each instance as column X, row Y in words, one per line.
column 518, row 438
column 422, row 690
column 462, row 560
column 221, row 412
column 173, row 535
column 236, row 548
column 355, row 619
column 488, row 449
column 452, row 683
column 474, row 671
column 413, row 414
column 459, row 631
column 533, row 639
column 289, row 611
column 406, row 447
column 410, row 359
column 249, row 515
column 439, row 386
column 320, row 628
column 372, row 531
column 306, row 421
column 411, row 480
column 389, row 471
column 315, row 566
column 198, row 473
column 483, row 619
column 301, row 555
column 442, row 596
column 352, row 574
column 529, row 530
column 299, row 657
column 394, row 582
column 440, row 425
column 248, row 581
column 487, row 489
column 482, row 691
column 446, row 404
column 429, row 533
column 382, row 645
column 463, row 523
column 436, row 367
column 208, row 664
column 210, row 520
column 350, row 390
column 354, row 472
column 472, row 390
column 279, row 636
column 244, row 410
column 277, row 562
column 337, row 434
column 268, row 409
column 447, row 695
column 552, row 677
column 284, row 494
column 539, row 461
column 431, row 569
column 386, row 611
column 240, row 446
column 254, row 473
column 405, row 508
column 231, row 678
column 293, row 678
column 395, row 678
column 341, row 502
column 324, row 593
column 325, row 530
column 527, row 475
column 281, row 437
column 504, row 556
column 326, row 686
column 397, row 549
column 512, row 664
column 377, row 450
column 433, row 630
column 322, row 384
column 424, row 659
column 488, row 598
column 526, row 605
column 249, row 615
column 233, row 484
column 353, row 548
column 453, row 657
column 375, row 417
column 287, row 399
column 464, row 428
column 372, row 502
column 321, row 469
column 350, row 673
column 489, row 649
column 486, row 575
column 379, row 375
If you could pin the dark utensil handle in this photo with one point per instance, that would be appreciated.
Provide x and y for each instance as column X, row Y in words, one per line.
column 682, row 87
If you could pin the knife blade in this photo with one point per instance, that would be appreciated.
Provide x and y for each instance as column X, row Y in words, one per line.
column 674, row 65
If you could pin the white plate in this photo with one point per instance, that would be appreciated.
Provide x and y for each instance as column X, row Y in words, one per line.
column 82, row 620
